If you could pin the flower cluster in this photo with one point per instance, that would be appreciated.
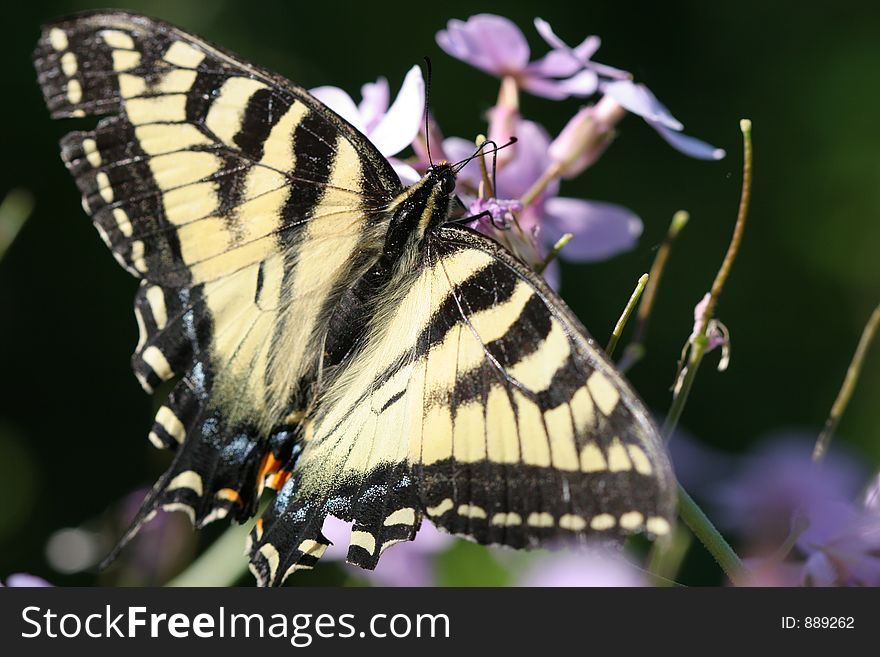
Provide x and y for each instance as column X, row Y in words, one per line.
column 514, row 193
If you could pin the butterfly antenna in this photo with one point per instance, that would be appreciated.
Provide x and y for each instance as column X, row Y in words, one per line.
column 458, row 166
column 428, row 75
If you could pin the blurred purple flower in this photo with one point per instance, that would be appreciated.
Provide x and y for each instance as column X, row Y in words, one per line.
column 779, row 480
column 23, row 580
column 842, row 544
column 698, row 467
column 410, row 563
column 390, row 128
column 582, row 569
column 497, row 46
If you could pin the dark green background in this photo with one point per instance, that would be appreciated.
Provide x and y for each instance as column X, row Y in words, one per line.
column 73, row 420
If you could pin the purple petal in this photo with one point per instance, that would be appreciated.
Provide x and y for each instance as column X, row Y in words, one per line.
column 587, row 48
column 407, row 174
column 779, row 479
column 374, row 103
column 23, row 580
column 547, row 33
column 457, row 149
column 638, row 99
column 581, row 85
column 400, row 125
column 584, row 569
column 555, row 64
column 599, row 230
column 564, row 60
column 491, row 43
column 341, row 103
column 871, row 498
column 552, row 275
column 529, row 162
column 690, row 146
column 339, row 533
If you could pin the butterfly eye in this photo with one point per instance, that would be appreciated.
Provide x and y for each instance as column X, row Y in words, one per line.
column 447, row 185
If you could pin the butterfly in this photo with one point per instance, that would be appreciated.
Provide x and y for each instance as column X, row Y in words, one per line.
column 332, row 335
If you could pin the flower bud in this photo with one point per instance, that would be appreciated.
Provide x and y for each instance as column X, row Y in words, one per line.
column 585, row 137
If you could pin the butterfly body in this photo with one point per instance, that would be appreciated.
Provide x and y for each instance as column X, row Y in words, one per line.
column 333, row 335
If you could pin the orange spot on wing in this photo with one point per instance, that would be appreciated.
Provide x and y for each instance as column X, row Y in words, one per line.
column 229, row 494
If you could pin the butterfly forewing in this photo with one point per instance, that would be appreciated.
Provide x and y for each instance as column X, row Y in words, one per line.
column 243, row 204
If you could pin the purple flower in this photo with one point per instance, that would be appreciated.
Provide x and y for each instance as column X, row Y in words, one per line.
column 23, row 580
column 582, row 569
column 497, row 46
column 390, row 128
column 410, row 563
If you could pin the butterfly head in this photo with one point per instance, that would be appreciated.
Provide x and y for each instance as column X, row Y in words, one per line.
column 442, row 176
column 421, row 207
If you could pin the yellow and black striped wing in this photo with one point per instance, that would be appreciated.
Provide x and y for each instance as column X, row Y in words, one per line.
column 245, row 207
column 479, row 402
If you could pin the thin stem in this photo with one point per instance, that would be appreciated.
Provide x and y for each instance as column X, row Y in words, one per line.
column 849, row 384
column 488, row 190
column 560, row 244
column 684, row 384
column 635, row 350
column 667, row 556
column 552, row 172
column 688, row 510
column 732, row 250
column 624, row 317
column 222, row 564
column 697, row 521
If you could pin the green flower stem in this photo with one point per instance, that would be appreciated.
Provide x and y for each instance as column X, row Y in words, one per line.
column 560, row 244
column 488, row 190
column 849, row 384
column 697, row 521
column 667, row 555
column 222, row 564
column 635, row 350
column 690, row 513
column 624, row 317
column 684, row 384
column 551, row 174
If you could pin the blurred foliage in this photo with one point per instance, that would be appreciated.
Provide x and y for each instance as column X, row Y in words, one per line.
column 73, row 420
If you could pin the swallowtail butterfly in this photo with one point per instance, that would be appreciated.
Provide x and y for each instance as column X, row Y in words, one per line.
column 333, row 335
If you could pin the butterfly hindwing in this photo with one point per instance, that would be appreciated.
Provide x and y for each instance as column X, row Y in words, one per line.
column 499, row 419
column 531, row 435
